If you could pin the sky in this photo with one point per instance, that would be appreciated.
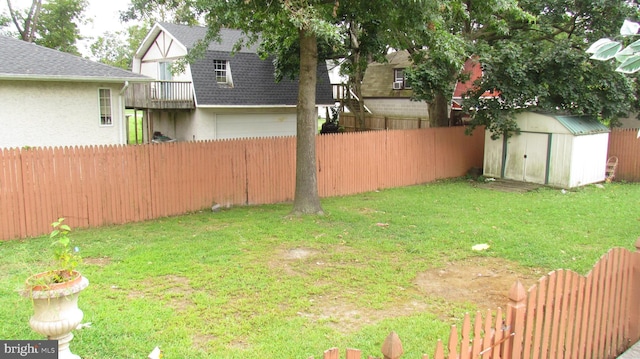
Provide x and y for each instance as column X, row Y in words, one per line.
column 103, row 13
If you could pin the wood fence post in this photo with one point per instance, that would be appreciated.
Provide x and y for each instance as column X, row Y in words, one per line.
column 392, row 347
column 634, row 295
column 516, row 310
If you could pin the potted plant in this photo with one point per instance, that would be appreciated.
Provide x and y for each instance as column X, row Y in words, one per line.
column 55, row 292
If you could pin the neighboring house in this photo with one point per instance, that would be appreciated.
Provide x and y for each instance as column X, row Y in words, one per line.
column 385, row 90
column 51, row 98
column 220, row 95
column 473, row 69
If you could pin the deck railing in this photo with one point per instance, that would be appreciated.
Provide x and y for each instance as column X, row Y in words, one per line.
column 160, row 95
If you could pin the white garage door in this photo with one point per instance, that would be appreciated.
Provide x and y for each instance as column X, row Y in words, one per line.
column 255, row 125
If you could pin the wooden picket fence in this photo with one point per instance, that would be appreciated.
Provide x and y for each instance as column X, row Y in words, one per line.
column 565, row 315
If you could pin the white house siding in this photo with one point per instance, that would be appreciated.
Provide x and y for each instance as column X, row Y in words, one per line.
column 401, row 107
column 589, row 159
column 255, row 125
column 57, row 114
column 216, row 124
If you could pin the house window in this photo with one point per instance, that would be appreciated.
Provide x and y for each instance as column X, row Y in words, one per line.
column 104, row 96
column 220, row 68
column 399, row 80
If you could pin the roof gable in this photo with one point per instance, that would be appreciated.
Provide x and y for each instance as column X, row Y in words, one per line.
column 20, row 60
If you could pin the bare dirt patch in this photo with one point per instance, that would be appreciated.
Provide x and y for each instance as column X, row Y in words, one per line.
column 482, row 282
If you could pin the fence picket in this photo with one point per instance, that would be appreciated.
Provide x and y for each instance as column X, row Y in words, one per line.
column 556, row 312
column 498, row 332
column 477, row 336
column 453, row 343
column 465, row 350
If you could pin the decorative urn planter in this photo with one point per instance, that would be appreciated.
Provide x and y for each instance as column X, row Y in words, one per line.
column 56, row 311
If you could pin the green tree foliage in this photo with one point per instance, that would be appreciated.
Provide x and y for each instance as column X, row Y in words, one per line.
column 53, row 24
column 58, row 24
column 149, row 11
column 542, row 65
column 444, row 49
column 117, row 48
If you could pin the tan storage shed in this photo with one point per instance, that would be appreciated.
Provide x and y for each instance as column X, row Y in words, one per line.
column 555, row 150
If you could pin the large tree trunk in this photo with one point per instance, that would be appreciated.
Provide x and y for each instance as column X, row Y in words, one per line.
column 439, row 112
column 307, row 200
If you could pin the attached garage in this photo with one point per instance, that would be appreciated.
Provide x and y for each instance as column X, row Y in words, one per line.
column 255, row 125
column 555, row 150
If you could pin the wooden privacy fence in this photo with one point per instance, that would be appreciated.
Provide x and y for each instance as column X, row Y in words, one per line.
column 101, row 185
column 625, row 144
column 371, row 122
column 565, row 315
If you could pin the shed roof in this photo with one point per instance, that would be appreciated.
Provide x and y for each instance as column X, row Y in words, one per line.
column 20, row 60
column 582, row 125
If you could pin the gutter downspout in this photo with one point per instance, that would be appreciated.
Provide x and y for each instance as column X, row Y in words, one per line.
column 123, row 118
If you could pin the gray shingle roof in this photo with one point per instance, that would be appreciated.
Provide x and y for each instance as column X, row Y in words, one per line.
column 190, row 35
column 253, row 83
column 253, row 78
column 27, row 61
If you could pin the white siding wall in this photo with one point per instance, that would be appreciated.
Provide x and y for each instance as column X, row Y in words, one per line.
column 57, row 114
column 216, row 124
column 589, row 159
column 255, row 125
column 397, row 108
column 492, row 166
column 561, row 152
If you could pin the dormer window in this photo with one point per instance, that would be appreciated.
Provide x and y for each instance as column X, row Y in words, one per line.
column 399, row 80
column 222, row 72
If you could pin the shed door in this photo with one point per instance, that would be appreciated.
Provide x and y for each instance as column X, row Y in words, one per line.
column 526, row 158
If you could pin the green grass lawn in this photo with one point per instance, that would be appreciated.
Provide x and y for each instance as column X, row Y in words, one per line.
column 135, row 128
column 251, row 282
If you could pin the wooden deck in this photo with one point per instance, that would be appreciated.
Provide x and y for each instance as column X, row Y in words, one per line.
column 160, row 95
